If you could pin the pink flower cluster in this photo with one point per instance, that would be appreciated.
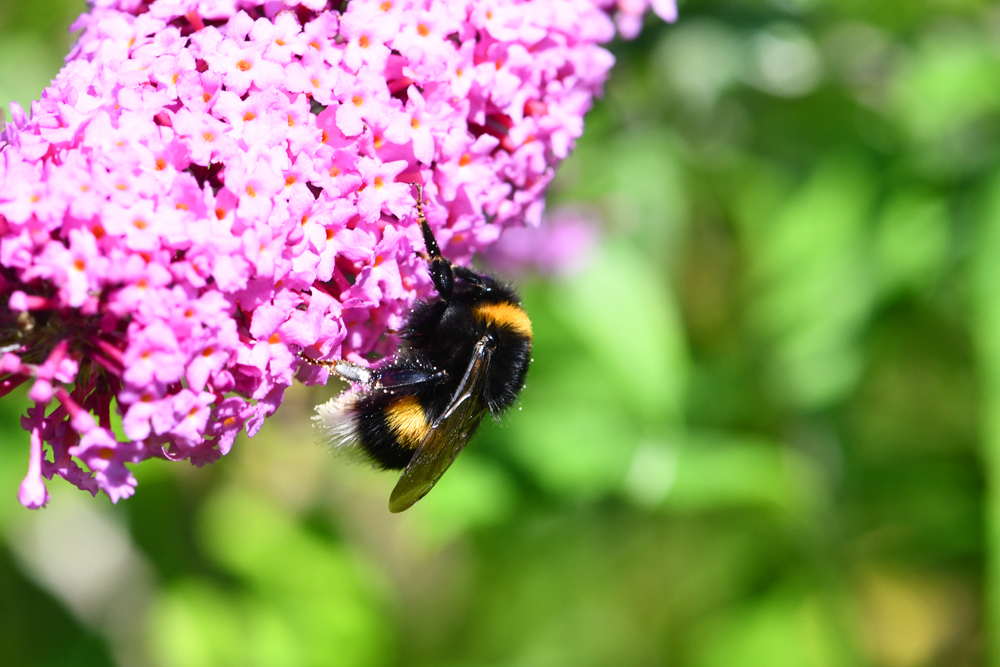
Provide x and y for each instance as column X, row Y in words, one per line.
column 209, row 189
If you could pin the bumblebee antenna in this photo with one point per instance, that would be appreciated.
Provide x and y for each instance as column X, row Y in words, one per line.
column 442, row 273
column 429, row 241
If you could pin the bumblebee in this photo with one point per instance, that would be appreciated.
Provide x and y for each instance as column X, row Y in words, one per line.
column 462, row 354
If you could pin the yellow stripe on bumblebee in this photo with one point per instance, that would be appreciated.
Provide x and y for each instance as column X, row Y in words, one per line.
column 406, row 418
column 505, row 316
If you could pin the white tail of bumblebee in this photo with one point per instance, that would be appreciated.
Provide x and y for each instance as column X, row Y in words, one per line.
column 336, row 420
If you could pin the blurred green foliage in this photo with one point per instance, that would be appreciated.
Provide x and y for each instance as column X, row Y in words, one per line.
column 762, row 428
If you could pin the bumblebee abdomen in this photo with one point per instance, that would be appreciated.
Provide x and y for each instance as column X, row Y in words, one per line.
column 381, row 427
column 407, row 420
column 390, row 427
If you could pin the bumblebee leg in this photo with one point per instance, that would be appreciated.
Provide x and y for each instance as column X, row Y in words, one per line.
column 391, row 378
column 387, row 379
column 356, row 374
column 346, row 370
column 380, row 378
column 316, row 362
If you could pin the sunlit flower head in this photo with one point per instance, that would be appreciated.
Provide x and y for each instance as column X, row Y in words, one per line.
column 205, row 194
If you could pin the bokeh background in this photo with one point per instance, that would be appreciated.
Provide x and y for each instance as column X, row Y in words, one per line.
column 759, row 430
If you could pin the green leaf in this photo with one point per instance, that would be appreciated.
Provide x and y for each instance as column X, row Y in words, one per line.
column 701, row 472
column 786, row 628
column 315, row 587
column 911, row 241
column 625, row 316
column 194, row 624
column 814, row 281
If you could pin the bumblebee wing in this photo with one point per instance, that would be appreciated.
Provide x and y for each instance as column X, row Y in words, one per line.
column 448, row 435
